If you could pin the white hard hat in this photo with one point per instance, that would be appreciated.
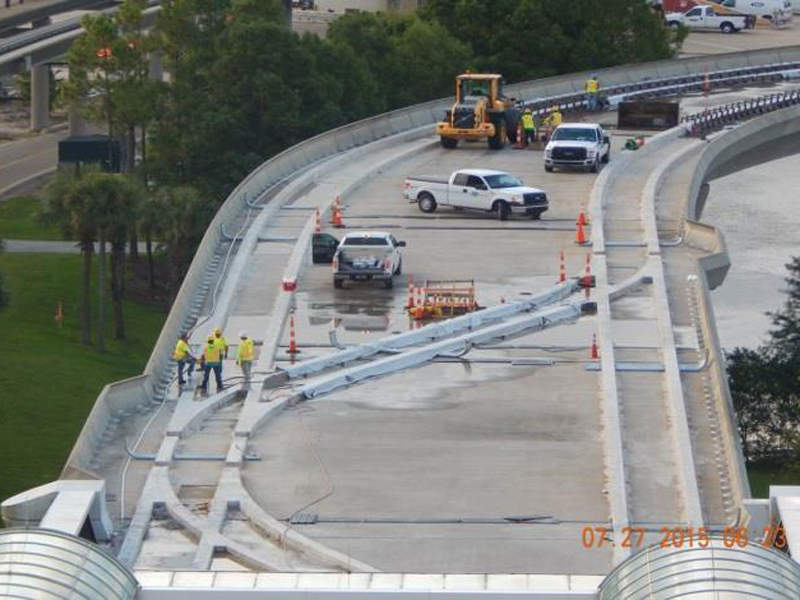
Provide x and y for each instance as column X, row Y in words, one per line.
column 242, row 334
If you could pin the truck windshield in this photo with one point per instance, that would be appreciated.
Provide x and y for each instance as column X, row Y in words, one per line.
column 502, row 181
column 575, row 134
column 365, row 241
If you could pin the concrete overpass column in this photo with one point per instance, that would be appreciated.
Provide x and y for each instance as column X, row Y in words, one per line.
column 40, row 96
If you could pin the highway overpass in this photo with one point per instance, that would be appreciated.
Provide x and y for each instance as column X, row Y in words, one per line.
column 516, row 463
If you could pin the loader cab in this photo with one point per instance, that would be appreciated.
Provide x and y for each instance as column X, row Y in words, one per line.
column 471, row 88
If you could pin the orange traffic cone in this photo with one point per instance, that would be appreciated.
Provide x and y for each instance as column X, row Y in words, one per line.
column 595, row 353
column 293, row 349
column 580, row 236
column 410, row 301
column 562, row 270
column 337, row 217
column 582, row 217
column 317, row 224
column 520, row 143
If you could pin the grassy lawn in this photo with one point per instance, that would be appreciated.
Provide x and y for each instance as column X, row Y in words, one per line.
column 18, row 220
column 50, row 381
column 763, row 475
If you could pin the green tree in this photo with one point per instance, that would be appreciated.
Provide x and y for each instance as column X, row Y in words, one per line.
column 411, row 59
column 108, row 74
column 763, row 383
column 785, row 335
column 524, row 39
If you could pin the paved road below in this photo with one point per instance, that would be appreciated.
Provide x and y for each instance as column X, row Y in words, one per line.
column 22, row 160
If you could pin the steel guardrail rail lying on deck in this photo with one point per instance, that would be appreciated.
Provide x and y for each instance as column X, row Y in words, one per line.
column 327, row 144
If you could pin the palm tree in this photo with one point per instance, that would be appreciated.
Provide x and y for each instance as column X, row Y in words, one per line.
column 63, row 205
column 152, row 216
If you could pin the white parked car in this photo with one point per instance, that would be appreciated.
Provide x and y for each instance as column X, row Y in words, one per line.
column 480, row 189
column 582, row 145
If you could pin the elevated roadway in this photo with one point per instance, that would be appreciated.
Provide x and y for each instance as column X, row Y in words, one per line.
column 491, row 462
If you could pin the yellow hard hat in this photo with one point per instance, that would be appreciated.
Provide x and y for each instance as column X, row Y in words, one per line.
column 210, row 338
column 527, row 110
column 217, row 331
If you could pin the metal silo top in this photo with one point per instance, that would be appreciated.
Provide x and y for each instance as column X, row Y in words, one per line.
column 46, row 564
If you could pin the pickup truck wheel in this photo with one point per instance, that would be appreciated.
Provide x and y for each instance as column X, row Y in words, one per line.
column 727, row 27
column 536, row 214
column 502, row 210
column 607, row 156
column 674, row 24
column 596, row 166
column 548, row 168
column 426, row 202
column 449, row 143
column 338, row 283
column 388, row 283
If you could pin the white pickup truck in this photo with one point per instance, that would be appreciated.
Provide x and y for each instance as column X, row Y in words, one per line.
column 366, row 256
column 480, row 189
column 705, row 17
column 582, row 145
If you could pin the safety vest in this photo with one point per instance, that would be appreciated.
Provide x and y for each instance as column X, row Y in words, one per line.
column 181, row 350
column 591, row 86
column 245, row 353
column 527, row 121
column 212, row 353
column 554, row 120
column 222, row 343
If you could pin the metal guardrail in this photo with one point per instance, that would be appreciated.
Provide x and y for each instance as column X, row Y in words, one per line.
column 710, row 120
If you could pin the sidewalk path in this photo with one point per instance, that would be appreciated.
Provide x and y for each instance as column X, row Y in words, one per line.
column 56, row 247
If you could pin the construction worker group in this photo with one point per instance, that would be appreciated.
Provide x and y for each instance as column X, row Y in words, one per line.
column 549, row 123
column 215, row 350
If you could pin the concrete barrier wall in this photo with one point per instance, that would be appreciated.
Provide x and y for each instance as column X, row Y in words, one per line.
column 118, row 399
column 289, row 162
column 723, row 149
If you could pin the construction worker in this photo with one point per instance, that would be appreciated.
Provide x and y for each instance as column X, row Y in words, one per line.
column 592, row 89
column 244, row 357
column 212, row 361
column 552, row 120
column 528, row 127
column 183, row 355
column 223, row 343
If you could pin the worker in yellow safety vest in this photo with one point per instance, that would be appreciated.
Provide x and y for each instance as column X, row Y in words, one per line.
column 244, row 357
column 592, row 89
column 183, row 355
column 528, row 127
column 212, row 361
column 552, row 120
column 221, row 341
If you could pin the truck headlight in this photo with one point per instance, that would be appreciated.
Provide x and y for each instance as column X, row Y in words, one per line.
column 517, row 200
